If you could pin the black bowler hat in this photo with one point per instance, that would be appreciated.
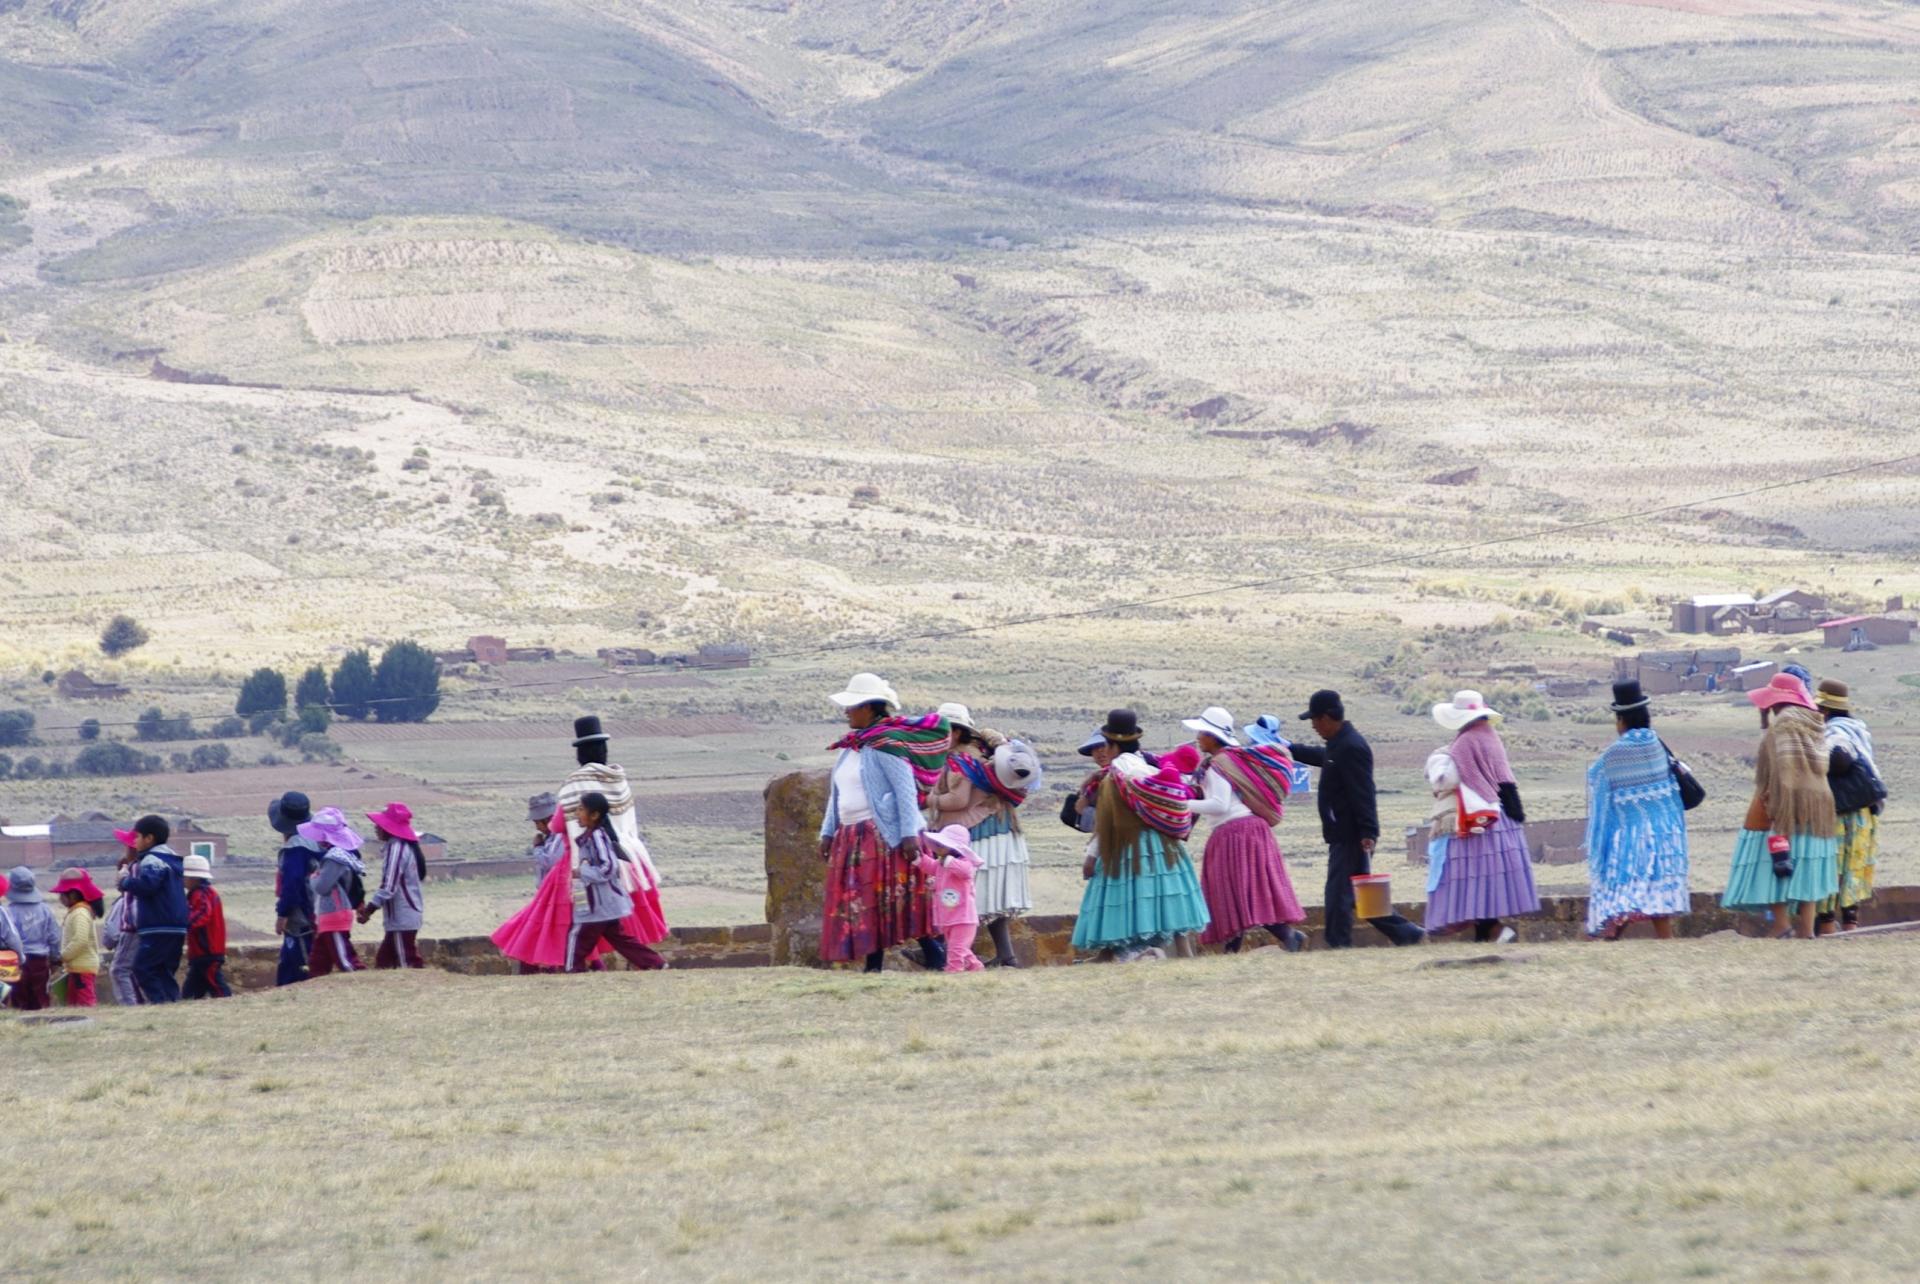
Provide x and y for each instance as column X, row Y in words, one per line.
column 587, row 730
column 1122, row 724
column 288, row 812
column 1325, row 704
column 1628, row 695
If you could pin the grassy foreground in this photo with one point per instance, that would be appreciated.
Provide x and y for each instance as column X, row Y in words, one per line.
column 1717, row 1108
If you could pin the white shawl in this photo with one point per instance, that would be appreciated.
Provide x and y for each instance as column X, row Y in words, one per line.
column 622, row 814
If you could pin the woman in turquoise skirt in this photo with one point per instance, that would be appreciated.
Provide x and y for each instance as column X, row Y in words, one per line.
column 1143, row 892
column 1788, row 852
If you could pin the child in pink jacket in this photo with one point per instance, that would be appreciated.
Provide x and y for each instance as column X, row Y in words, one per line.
column 951, row 876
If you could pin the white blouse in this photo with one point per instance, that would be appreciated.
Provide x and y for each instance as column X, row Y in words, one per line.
column 855, row 806
column 1222, row 801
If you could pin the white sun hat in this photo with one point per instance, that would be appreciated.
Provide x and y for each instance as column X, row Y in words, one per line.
column 197, row 867
column 1215, row 722
column 867, row 688
column 958, row 715
column 1466, row 707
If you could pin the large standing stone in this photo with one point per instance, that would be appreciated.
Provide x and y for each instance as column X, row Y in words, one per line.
column 796, row 805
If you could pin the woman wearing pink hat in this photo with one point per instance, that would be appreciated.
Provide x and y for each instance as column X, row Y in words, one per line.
column 1787, row 848
column 402, row 871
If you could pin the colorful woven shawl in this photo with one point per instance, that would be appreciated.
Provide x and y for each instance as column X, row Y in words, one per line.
column 925, row 742
column 1261, row 775
column 1160, row 804
column 979, row 773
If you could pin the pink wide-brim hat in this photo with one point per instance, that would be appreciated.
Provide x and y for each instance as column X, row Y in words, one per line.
column 125, row 837
column 77, row 880
column 1784, row 689
column 329, row 827
column 954, row 838
column 396, row 821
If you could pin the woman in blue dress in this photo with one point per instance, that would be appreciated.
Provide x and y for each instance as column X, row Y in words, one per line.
column 1636, row 827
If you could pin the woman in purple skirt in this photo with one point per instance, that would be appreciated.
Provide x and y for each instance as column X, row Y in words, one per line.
column 1243, row 874
column 1487, row 873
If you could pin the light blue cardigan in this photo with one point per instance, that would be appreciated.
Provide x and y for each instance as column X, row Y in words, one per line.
column 888, row 779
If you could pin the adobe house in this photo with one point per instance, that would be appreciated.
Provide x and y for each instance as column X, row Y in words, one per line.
column 487, row 649
column 1873, row 630
column 1671, row 672
column 75, row 685
column 61, row 842
column 724, row 655
column 1712, row 613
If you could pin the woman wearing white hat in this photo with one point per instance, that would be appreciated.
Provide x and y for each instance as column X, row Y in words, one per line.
column 870, row 839
column 981, row 788
column 1242, row 871
column 1488, row 874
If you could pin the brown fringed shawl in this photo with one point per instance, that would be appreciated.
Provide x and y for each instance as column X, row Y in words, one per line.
column 1790, row 790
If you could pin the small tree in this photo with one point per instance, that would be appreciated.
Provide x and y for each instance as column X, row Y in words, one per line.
column 314, row 718
column 407, row 684
column 353, row 686
column 211, row 757
column 312, row 691
column 90, row 729
column 155, row 725
column 229, row 728
column 122, row 634
column 264, row 691
column 16, row 727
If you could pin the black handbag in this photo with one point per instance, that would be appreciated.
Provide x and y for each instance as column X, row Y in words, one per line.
column 1692, row 792
column 1858, row 790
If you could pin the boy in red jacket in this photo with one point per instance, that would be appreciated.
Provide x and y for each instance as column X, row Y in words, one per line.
column 206, row 934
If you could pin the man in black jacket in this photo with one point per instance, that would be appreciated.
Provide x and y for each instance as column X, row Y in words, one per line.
column 1349, row 818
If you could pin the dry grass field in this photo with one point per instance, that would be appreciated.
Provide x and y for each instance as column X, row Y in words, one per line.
column 1721, row 1109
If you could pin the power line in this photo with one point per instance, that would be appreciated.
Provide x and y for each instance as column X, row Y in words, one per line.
column 1278, row 581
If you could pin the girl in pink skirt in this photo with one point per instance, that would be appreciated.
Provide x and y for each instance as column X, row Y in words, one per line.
column 1488, row 871
column 1242, row 872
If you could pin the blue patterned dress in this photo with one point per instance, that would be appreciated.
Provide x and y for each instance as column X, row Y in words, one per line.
column 1636, row 835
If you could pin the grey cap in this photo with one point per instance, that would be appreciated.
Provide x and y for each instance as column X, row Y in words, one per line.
column 21, row 887
column 542, row 807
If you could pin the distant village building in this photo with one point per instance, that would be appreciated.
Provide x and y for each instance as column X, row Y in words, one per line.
column 1782, row 611
column 61, row 842
column 1701, row 671
column 725, row 655
column 626, row 657
column 1864, row 632
column 75, row 685
column 485, row 649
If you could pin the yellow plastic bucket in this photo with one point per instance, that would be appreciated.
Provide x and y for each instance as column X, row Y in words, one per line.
column 1372, row 895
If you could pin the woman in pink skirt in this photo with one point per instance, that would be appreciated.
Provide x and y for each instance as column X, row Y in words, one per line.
column 1242, row 873
column 1487, row 874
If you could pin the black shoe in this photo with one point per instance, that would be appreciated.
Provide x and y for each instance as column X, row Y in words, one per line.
column 1294, row 941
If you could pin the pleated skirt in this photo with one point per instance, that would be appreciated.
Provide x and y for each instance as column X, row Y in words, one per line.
column 1000, row 888
column 875, row 899
column 1487, row 875
column 1245, row 879
column 1752, row 886
column 1129, row 909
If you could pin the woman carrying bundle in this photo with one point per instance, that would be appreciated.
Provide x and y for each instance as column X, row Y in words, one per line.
column 1858, row 795
column 1142, row 893
column 1242, row 872
column 981, row 788
column 1787, row 850
column 1486, row 872
column 870, row 839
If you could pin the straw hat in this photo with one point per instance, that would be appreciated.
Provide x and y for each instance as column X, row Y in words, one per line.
column 197, row 867
column 1784, row 689
column 957, row 715
column 1465, row 708
column 868, row 688
column 1215, row 722
column 1833, row 694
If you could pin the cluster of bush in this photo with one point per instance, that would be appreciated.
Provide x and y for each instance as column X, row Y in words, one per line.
column 114, row 758
column 403, row 687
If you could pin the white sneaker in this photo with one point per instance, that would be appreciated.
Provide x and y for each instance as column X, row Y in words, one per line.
column 1507, row 936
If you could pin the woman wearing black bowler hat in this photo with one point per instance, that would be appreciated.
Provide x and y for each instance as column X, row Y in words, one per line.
column 1636, row 826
